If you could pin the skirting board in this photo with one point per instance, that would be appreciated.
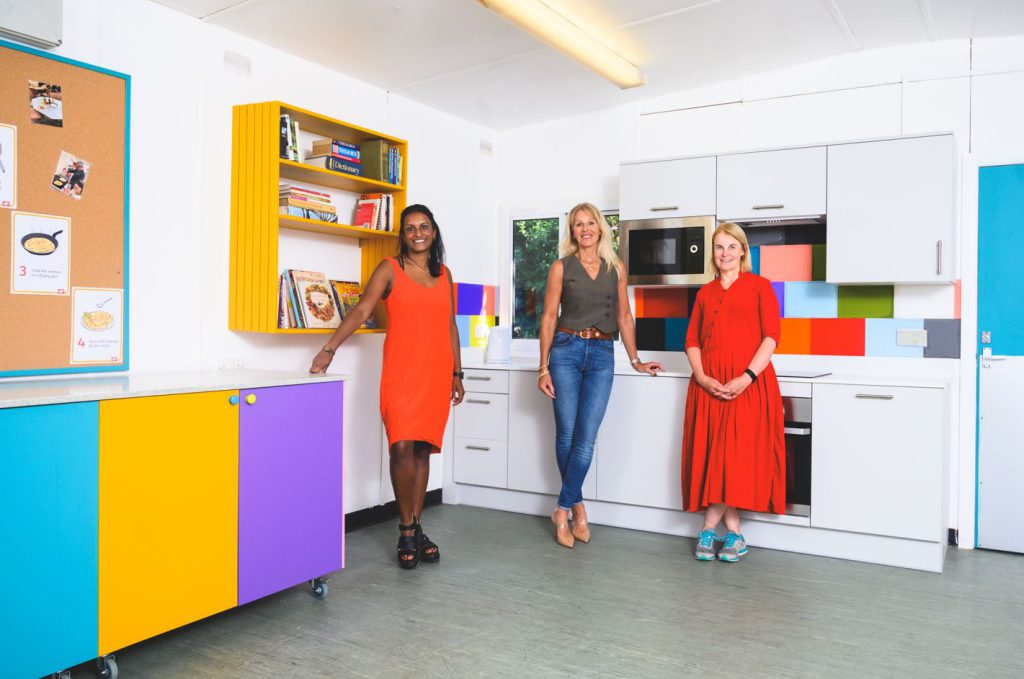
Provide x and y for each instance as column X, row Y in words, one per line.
column 877, row 549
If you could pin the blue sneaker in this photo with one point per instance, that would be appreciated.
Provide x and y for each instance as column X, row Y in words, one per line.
column 735, row 546
column 705, row 550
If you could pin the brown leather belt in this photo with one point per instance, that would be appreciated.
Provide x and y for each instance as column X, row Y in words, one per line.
column 587, row 333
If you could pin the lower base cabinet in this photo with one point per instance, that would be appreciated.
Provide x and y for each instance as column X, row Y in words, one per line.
column 878, row 460
column 48, row 520
column 168, row 513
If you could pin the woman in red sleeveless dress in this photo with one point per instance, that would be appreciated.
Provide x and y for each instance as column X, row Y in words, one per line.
column 422, row 373
column 734, row 449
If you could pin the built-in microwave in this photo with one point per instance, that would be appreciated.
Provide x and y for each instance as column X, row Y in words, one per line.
column 672, row 251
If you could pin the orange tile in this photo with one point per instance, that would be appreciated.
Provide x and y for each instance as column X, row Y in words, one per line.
column 956, row 298
column 661, row 302
column 490, row 299
column 837, row 336
column 786, row 262
column 794, row 336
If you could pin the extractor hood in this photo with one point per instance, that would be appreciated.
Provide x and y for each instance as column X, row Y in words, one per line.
column 799, row 220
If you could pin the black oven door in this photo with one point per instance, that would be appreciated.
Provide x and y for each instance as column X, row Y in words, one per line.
column 666, row 252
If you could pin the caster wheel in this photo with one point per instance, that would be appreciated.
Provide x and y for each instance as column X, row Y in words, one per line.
column 319, row 588
column 107, row 666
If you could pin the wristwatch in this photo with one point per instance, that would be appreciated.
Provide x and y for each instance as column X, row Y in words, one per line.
column 460, row 374
column 327, row 349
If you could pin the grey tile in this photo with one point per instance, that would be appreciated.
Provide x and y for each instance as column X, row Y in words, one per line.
column 943, row 338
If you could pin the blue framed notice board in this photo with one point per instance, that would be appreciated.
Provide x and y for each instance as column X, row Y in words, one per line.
column 64, row 133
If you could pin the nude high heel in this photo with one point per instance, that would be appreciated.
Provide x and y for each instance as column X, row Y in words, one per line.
column 562, row 534
column 580, row 525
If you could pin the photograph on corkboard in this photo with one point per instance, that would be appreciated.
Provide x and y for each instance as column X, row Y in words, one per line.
column 70, row 175
column 8, row 166
column 45, row 104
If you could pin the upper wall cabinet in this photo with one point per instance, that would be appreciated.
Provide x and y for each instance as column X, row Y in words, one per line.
column 891, row 211
column 667, row 188
column 767, row 184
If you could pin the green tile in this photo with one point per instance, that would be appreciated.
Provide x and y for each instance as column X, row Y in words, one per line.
column 818, row 262
column 865, row 301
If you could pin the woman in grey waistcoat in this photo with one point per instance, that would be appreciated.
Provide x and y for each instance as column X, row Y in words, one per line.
column 577, row 360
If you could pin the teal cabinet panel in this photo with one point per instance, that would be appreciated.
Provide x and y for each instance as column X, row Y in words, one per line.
column 49, row 522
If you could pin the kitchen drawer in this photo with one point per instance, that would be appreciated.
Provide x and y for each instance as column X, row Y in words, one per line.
column 482, row 462
column 786, row 183
column 490, row 381
column 670, row 188
column 482, row 416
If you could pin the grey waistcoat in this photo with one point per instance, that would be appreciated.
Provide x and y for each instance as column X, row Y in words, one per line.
column 589, row 302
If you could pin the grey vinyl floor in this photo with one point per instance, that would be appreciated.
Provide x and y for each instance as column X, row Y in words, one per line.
column 506, row 601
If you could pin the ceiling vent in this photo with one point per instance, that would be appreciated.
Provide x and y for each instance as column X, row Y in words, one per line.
column 238, row 63
column 486, row 147
column 39, row 23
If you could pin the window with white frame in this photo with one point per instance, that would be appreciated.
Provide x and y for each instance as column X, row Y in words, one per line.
column 534, row 249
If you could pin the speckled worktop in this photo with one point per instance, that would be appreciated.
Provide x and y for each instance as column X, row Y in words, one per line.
column 34, row 392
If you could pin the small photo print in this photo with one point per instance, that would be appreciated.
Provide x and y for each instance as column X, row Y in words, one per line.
column 45, row 105
column 8, row 166
column 70, row 175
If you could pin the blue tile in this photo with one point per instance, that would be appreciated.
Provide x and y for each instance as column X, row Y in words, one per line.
column 811, row 299
column 462, row 322
column 470, row 300
column 755, row 259
column 675, row 333
column 880, row 337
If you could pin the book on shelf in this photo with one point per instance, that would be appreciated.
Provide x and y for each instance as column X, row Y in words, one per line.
column 336, row 164
column 316, row 306
column 297, row 201
column 374, row 211
column 381, row 161
column 348, row 294
column 308, row 204
column 333, row 147
column 296, row 153
column 308, row 213
column 286, row 135
column 366, row 214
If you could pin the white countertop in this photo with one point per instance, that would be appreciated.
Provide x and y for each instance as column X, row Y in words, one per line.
column 34, row 392
column 530, row 365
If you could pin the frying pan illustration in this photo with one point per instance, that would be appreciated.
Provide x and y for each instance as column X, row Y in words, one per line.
column 42, row 239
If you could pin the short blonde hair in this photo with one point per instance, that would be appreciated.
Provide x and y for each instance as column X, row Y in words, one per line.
column 734, row 231
column 605, row 250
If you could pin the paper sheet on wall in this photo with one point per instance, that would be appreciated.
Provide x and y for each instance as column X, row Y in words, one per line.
column 40, row 254
column 97, row 317
column 8, row 166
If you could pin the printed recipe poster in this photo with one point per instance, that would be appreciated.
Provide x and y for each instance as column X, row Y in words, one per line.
column 8, row 166
column 97, row 319
column 40, row 254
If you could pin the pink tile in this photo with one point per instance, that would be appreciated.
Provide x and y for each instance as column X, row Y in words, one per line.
column 956, row 298
column 786, row 262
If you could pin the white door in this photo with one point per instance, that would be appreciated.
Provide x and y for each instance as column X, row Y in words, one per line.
column 1001, row 454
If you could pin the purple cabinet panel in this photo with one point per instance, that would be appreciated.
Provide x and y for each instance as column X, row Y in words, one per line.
column 291, row 523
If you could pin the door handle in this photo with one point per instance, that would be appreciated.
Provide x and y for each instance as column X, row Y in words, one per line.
column 477, row 448
column 880, row 397
column 665, row 208
column 985, row 360
column 776, row 206
column 474, row 377
column 797, row 431
column 938, row 258
column 478, row 400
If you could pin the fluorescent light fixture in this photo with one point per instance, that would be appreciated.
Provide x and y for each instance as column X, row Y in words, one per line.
column 541, row 21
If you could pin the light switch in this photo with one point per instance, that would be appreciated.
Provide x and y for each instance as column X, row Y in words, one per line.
column 908, row 337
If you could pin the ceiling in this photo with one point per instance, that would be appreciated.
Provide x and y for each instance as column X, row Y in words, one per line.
column 458, row 57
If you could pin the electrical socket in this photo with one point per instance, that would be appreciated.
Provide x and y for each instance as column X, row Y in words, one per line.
column 911, row 337
column 231, row 364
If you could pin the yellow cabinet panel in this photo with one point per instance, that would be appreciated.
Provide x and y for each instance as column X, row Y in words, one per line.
column 168, row 513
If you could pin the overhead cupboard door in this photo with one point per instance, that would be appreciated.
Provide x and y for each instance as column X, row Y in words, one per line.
column 667, row 188
column 767, row 184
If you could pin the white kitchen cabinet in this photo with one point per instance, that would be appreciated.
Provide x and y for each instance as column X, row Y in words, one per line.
column 770, row 184
column 481, row 430
column 482, row 415
column 878, row 455
column 531, row 440
column 667, row 188
column 642, row 441
column 481, row 462
column 892, row 211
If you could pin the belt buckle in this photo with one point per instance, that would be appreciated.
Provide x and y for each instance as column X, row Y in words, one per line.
column 586, row 333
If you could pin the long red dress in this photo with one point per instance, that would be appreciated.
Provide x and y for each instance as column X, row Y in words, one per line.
column 734, row 452
column 416, row 379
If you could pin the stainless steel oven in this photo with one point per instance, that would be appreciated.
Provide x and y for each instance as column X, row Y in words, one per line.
column 798, row 455
column 667, row 251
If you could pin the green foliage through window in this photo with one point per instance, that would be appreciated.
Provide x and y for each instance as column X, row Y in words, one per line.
column 534, row 249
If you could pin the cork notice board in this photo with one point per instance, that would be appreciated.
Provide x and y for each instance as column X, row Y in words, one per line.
column 63, row 215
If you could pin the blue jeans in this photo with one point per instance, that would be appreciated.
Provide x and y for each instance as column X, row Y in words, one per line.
column 581, row 372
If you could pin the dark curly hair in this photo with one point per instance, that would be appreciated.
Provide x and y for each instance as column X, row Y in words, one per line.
column 436, row 257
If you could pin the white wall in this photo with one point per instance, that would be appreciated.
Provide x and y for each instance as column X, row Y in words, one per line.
column 180, row 197
column 972, row 88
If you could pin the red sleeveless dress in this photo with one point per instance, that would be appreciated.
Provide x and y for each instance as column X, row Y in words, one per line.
column 416, row 379
column 734, row 452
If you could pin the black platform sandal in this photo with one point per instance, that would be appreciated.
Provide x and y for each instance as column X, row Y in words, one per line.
column 409, row 546
column 429, row 551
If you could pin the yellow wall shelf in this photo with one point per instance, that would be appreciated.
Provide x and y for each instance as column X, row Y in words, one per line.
column 256, row 172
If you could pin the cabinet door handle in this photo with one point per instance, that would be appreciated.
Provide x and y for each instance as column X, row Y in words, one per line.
column 251, row 399
column 478, row 400
column 233, row 399
column 880, row 397
column 776, row 206
column 797, row 431
column 477, row 448
column 938, row 258
column 665, row 208
column 475, row 377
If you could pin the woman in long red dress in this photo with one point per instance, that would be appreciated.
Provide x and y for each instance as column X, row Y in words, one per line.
column 422, row 371
column 734, row 449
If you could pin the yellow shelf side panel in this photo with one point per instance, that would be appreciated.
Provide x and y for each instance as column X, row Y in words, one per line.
column 168, row 514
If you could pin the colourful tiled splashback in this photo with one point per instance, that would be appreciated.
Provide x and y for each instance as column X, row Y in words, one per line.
column 475, row 312
column 817, row 317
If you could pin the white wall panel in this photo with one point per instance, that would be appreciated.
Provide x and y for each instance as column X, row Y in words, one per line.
column 938, row 106
column 710, row 129
column 997, row 109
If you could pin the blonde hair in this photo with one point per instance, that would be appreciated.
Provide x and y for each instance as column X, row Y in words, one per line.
column 605, row 250
column 733, row 230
